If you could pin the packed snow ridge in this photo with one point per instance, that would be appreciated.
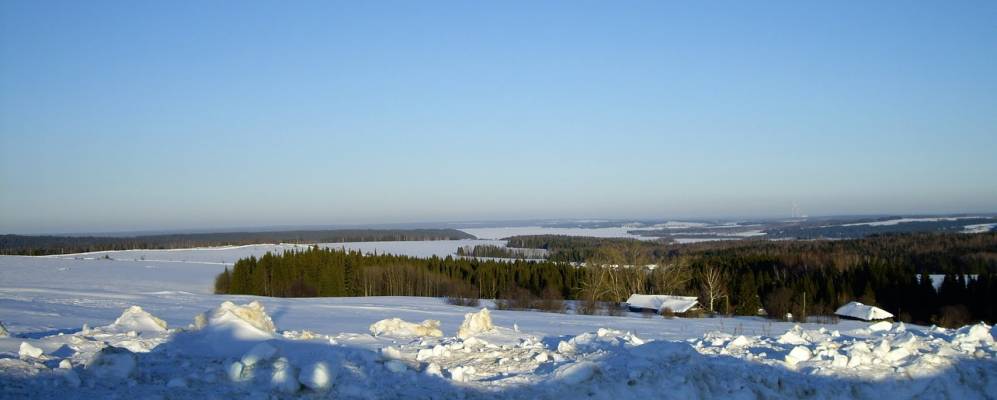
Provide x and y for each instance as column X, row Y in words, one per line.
column 400, row 328
column 236, row 351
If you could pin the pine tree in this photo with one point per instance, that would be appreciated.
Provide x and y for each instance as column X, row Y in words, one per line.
column 747, row 296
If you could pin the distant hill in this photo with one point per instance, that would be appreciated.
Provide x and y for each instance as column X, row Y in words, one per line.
column 44, row 245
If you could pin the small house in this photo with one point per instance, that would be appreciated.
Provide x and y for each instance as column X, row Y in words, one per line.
column 856, row 310
column 658, row 302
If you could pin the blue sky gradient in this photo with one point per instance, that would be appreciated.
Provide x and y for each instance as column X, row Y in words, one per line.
column 135, row 115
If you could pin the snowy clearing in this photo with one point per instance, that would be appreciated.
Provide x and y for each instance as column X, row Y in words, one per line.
column 90, row 328
column 979, row 228
column 229, row 254
column 891, row 222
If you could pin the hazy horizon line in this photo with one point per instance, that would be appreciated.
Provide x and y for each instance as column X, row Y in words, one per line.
column 449, row 224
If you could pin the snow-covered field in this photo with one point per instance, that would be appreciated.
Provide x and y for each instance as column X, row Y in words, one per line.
column 979, row 228
column 75, row 334
column 898, row 221
column 229, row 254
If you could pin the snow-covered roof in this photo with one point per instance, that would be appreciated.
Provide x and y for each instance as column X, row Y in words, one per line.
column 862, row 311
column 657, row 302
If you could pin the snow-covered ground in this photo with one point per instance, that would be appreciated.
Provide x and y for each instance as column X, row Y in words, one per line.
column 897, row 221
column 229, row 254
column 183, row 342
column 979, row 228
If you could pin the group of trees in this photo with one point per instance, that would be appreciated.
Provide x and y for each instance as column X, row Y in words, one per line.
column 579, row 249
column 44, row 245
column 813, row 277
column 493, row 251
column 329, row 272
column 798, row 278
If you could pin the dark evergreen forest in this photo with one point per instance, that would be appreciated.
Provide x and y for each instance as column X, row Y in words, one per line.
column 804, row 278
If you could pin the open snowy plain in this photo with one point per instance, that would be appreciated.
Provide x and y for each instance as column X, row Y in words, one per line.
column 144, row 324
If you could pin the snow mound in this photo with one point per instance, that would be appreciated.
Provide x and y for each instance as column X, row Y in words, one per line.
column 794, row 336
column 316, row 376
column 862, row 311
column 462, row 374
column 234, row 371
column 248, row 321
column 975, row 333
column 576, row 373
column 798, row 354
column 113, row 363
column 475, row 323
column 603, row 339
column 136, row 319
column 229, row 330
column 400, row 328
column 881, row 326
column 285, row 377
column 738, row 342
column 28, row 351
column 261, row 352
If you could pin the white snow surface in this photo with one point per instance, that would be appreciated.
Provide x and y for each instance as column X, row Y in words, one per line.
column 230, row 347
column 401, row 328
column 230, row 254
column 979, row 228
column 861, row 311
column 897, row 221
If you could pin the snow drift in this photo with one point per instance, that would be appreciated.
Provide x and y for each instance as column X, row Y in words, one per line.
column 245, row 321
column 136, row 319
column 400, row 328
column 475, row 323
column 608, row 363
column 229, row 329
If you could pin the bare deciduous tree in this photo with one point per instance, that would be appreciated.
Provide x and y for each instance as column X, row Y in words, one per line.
column 670, row 278
column 714, row 284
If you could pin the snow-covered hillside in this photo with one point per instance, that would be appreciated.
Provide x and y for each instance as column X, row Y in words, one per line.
column 75, row 334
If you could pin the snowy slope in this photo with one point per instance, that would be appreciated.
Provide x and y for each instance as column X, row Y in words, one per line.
column 324, row 346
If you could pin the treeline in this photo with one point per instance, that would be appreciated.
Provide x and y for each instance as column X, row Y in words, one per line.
column 490, row 250
column 738, row 277
column 577, row 249
column 805, row 278
column 823, row 230
column 923, row 252
column 44, row 245
column 331, row 272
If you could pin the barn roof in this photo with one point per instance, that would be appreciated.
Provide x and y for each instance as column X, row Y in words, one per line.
column 658, row 302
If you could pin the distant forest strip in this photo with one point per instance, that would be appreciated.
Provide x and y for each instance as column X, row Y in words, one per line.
column 739, row 277
column 45, row 245
column 490, row 250
column 927, row 252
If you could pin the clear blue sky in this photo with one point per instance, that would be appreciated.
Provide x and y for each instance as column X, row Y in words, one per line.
column 133, row 115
